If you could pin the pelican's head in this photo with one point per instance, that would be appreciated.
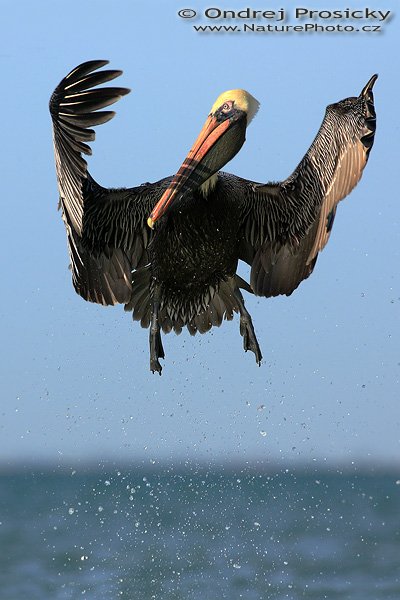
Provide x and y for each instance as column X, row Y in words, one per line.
column 238, row 100
column 222, row 136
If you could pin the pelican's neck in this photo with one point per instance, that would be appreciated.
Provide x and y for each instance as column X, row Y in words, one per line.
column 208, row 185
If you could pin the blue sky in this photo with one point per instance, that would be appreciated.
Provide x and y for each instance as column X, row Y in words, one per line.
column 75, row 380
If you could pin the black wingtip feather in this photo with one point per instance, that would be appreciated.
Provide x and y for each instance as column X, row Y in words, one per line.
column 74, row 105
column 93, row 79
column 367, row 89
column 91, row 100
column 85, row 68
column 75, row 90
column 75, row 108
column 88, row 119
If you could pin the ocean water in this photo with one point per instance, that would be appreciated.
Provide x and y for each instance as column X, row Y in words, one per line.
column 196, row 534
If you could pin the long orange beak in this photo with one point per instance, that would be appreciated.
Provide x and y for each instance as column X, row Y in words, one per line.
column 211, row 132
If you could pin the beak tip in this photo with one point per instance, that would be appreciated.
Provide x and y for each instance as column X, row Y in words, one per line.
column 150, row 223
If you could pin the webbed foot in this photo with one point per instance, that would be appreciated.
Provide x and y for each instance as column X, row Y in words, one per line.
column 250, row 341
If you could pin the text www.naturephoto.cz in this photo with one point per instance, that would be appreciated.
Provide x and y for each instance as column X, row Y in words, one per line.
column 306, row 28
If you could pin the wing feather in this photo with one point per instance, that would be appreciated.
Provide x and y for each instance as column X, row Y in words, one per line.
column 71, row 108
column 106, row 229
column 288, row 223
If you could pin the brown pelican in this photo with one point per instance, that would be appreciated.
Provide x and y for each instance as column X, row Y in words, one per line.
column 169, row 250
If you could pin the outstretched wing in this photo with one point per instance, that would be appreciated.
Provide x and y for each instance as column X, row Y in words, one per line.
column 74, row 108
column 106, row 229
column 288, row 223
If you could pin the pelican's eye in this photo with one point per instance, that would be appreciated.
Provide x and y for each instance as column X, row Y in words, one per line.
column 225, row 111
column 227, row 106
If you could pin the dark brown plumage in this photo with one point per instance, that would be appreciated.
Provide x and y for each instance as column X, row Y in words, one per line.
column 183, row 272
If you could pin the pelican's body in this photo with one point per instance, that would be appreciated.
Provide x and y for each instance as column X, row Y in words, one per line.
column 169, row 251
column 198, row 248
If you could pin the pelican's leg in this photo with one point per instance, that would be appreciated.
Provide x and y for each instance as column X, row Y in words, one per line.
column 156, row 347
column 246, row 328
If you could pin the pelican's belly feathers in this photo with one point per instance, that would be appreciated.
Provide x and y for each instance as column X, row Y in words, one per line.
column 196, row 246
